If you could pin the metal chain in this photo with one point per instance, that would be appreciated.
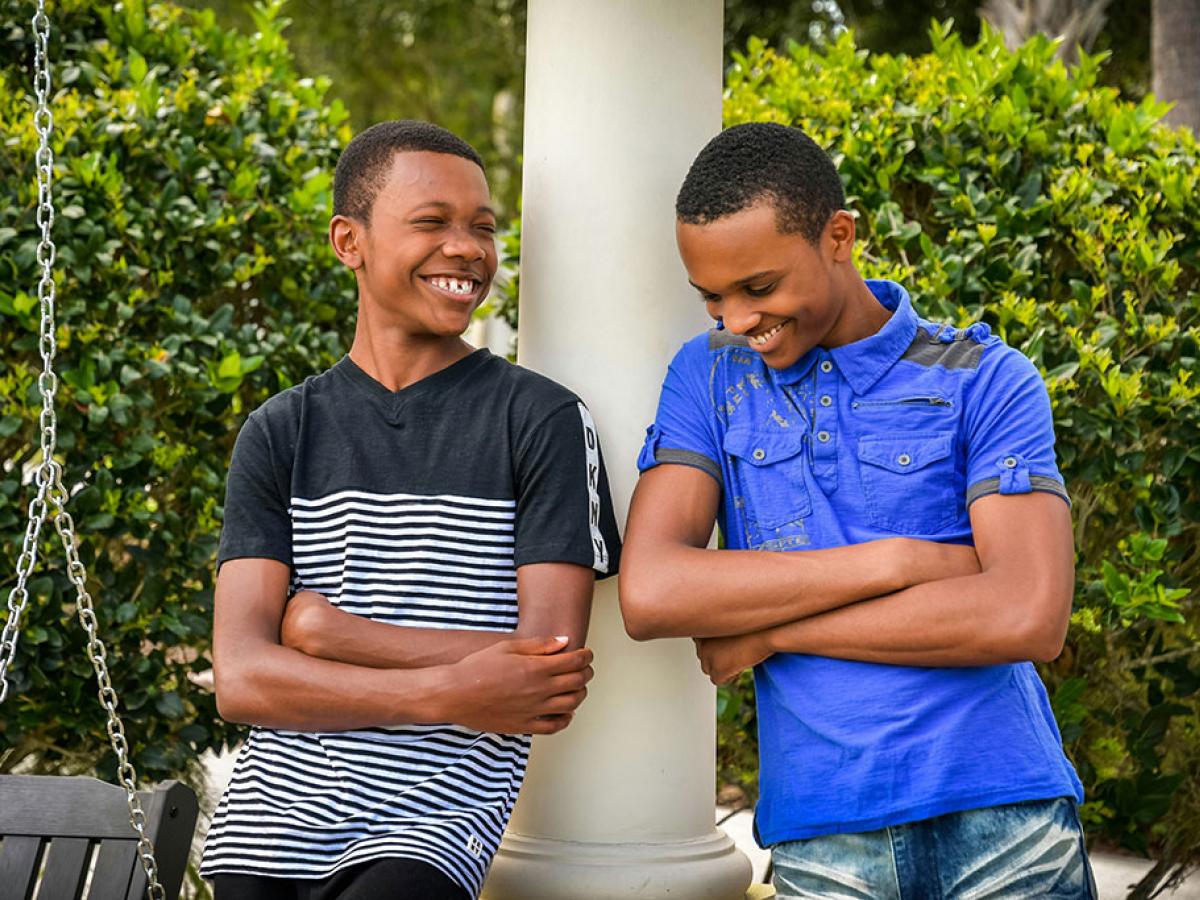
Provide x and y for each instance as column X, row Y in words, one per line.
column 51, row 497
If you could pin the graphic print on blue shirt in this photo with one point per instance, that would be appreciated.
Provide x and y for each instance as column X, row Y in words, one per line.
column 893, row 435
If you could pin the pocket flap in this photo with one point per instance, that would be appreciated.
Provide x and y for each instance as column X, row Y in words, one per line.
column 763, row 448
column 904, row 453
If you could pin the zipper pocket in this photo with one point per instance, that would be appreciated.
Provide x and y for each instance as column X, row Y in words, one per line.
column 904, row 401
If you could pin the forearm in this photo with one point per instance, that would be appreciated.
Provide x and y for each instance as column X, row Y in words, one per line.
column 359, row 641
column 693, row 592
column 262, row 683
column 976, row 620
column 554, row 599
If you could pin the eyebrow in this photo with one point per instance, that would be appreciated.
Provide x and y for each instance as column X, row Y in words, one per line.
column 443, row 205
column 740, row 282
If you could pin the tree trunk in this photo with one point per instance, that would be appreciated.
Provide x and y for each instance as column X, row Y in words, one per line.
column 1175, row 54
column 1075, row 23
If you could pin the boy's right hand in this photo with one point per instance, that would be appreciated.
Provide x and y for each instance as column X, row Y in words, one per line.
column 521, row 686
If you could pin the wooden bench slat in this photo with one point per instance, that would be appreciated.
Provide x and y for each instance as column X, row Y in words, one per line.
column 66, row 866
column 114, row 868
column 19, row 858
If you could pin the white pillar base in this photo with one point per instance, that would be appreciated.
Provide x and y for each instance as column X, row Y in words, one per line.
column 533, row 868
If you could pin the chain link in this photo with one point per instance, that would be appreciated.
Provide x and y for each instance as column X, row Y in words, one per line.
column 51, row 497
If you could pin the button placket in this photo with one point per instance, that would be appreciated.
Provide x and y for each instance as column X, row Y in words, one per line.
column 825, row 419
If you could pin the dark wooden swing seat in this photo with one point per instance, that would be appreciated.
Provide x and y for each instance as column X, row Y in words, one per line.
column 59, row 835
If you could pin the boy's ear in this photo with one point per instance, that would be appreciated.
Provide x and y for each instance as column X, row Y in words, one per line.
column 347, row 237
column 841, row 233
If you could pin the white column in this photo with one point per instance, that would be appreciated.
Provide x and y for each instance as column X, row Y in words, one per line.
column 620, row 96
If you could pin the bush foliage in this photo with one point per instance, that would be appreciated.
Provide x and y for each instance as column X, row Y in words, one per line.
column 1005, row 187
column 192, row 181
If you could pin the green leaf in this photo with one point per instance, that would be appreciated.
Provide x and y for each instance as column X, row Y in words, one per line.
column 137, row 67
column 169, row 705
column 231, row 365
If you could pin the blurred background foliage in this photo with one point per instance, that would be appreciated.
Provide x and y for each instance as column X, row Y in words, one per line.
column 192, row 182
column 461, row 63
column 193, row 161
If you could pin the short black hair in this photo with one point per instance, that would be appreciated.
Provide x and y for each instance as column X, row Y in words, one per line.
column 364, row 164
column 747, row 163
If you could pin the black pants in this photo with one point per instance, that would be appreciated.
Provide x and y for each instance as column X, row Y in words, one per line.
column 381, row 879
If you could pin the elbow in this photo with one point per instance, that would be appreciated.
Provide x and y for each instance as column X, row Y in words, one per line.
column 1042, row 633
column 1047, row 645
column 229, row 706
column 640, row 607
column 302, row 628
column 234, row 701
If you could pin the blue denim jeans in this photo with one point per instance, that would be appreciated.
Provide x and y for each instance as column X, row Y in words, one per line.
column 1013, row 852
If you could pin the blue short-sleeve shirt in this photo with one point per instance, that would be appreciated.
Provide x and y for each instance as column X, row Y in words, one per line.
column 893, row 435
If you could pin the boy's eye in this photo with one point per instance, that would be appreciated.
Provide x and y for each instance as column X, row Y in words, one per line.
column 428, row 221
column 488, row 227
column 760, row 291
column 708, row 298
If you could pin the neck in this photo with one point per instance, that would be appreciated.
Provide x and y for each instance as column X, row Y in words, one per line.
column 862, row 315
column 396, row 358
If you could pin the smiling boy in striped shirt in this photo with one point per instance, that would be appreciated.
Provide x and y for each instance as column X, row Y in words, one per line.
column 406, row 567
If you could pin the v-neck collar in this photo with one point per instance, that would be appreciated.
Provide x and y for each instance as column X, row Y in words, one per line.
column 394, row 402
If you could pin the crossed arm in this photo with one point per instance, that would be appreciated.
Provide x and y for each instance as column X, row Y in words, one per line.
column 309, row 666
column 899, row 601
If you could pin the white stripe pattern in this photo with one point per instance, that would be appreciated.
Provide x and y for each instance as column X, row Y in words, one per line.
column 307, row 804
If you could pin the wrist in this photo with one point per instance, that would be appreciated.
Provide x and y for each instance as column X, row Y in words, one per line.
column 436, row 691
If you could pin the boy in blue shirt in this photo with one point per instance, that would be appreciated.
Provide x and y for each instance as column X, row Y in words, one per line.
column 907, row 747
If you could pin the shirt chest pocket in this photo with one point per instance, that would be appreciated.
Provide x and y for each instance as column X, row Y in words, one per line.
column 768, row 468
column 909, row 481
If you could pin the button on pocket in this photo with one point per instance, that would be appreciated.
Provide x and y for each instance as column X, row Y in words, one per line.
column 909, row 481
column 769, row 476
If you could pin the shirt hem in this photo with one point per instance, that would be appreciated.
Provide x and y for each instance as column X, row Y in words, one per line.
column 208, row 873
column 919, row 813
column 282, row 556
column 552, row 553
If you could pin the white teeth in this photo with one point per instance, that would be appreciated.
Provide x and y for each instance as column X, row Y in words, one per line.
column 760, row 339
column 454, row 285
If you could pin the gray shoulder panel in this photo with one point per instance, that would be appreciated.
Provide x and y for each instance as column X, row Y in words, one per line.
column 961, row 353
column 689, row 458
column 718, row 339
column 1043, row 483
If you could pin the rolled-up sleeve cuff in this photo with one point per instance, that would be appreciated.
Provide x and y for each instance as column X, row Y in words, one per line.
column 1042, row 483
column 688, row 458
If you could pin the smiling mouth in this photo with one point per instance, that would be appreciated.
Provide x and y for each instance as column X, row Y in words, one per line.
column 454, row 287
column 759, row 340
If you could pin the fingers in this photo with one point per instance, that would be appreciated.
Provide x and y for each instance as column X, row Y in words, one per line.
column 563, row 703
column 549, row 724
column 561, row 663
column 552, row 716
column 558, row 712
column 571, row 681
column 538, row 646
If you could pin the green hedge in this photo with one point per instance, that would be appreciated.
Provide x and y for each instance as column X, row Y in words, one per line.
column 192, row 180
column 1002, row 186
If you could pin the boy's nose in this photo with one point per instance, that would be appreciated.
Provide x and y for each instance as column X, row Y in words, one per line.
column 464, row 247
column 739, row 322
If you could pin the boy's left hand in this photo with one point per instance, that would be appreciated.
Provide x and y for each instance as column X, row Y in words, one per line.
column 725, row 658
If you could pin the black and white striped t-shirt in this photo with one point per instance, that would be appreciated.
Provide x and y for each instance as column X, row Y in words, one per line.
column 415, row 508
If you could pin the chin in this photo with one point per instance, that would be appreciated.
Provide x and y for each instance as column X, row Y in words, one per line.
column 783, row 359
